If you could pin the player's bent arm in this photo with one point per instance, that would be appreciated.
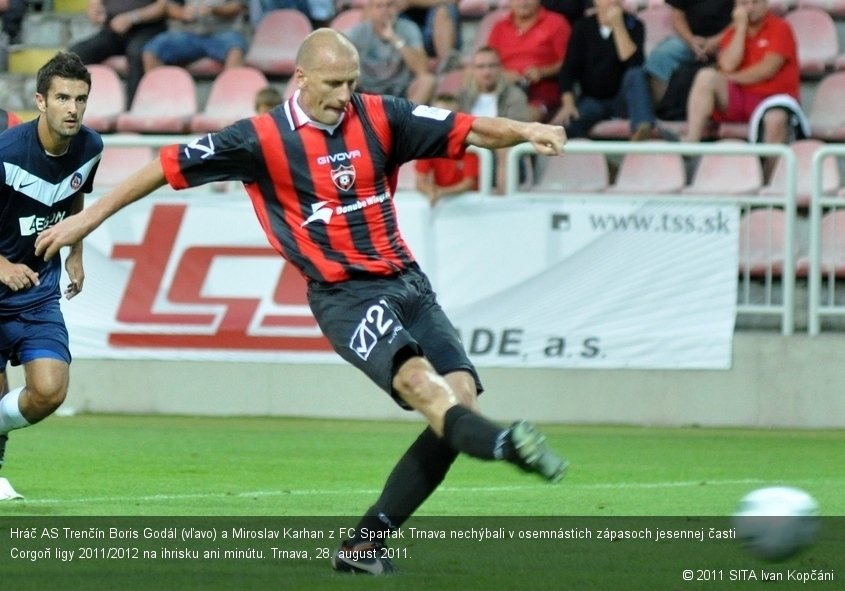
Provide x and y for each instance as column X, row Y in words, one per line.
column 501, row 132
column 76, row 227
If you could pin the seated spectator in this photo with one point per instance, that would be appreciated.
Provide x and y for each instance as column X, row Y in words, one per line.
column 125, row 27
column 699, row 26
column 445, row 177
column 198, row 29
column 7, row 120
column 604, row 60
column 393, row 60
column 266, row 99
column 488, row 94
column 758, row 59
column 440, row 23
column 532, row 42
column 12, row 12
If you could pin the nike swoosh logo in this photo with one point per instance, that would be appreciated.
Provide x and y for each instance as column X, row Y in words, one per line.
column 28, row 185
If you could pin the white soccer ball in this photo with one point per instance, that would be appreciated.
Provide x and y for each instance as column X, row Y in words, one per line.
column 776, row 522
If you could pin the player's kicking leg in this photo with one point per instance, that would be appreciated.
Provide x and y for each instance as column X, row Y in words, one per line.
column 425, row 464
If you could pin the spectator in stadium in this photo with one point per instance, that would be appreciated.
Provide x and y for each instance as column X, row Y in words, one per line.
column 604, row 66
column 699, row 26
column 368, row 295
column 125, row 27
column 440, row 24
column 198, row 29
column 531, row 42
column 393, row 60
column 446, row 177
column 12, row 12
column 8, row 119
column 48, row 165
column 488, row 94
column 266, row 99
column 758, row 59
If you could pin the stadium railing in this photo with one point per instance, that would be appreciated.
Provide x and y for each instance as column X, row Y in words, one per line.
column 826, row 295
column 767, row 293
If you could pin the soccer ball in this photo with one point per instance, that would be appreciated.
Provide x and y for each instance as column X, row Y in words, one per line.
column 776, row 522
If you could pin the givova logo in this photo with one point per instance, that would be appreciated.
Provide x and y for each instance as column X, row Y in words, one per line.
column 35, row 225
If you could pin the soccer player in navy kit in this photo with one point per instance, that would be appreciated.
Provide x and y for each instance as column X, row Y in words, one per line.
column 48, row 164
column 321, row 172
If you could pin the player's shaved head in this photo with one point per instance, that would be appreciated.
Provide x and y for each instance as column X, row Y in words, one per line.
column 324, row 45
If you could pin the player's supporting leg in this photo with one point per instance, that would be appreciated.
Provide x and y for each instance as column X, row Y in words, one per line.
column 45, row 390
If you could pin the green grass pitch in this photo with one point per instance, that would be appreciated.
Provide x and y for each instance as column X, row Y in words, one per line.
column 135, row 472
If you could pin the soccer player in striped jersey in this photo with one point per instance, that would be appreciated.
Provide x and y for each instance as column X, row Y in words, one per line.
column 321, row 172
column 48, row 164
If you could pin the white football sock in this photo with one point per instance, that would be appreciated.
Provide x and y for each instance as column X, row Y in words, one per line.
column 10, row 412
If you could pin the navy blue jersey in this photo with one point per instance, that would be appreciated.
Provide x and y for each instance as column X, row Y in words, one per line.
column 325, row 199
column 37, row 191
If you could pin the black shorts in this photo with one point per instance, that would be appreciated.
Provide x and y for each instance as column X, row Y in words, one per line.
column 370, row 321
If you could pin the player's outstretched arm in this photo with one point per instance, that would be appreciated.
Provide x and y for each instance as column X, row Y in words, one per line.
column 76, row 227
column 500, row 132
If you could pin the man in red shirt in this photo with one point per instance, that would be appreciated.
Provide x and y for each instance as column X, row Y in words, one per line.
column 321, row 172
column 531, row 42
column 758, row 59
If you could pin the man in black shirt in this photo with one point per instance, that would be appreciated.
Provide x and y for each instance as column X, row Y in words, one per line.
column 604, row 58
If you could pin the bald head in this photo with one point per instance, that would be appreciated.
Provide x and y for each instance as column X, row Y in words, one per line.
column 324, row 45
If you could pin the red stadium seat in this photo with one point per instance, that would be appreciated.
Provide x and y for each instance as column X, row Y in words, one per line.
column 232, row 97
column 118, row 162
column 804, row 150
column 276, row 40
column 832, row 246
column 611, row 129
column 165, row 101
column 637, row 174
column 727, row 174
column 574, row 173
column 815, row 35
column 347, row 19
column 827, row 117
column 762, row 236
column 107, row 100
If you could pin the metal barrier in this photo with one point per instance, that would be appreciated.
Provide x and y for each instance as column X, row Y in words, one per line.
column 778, row 297
column 823, row 303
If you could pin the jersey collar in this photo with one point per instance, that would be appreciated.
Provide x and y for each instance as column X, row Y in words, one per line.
column 297, row 117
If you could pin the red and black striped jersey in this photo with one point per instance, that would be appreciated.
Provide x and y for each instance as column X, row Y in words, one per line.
column 8, row 119
column 325, row 198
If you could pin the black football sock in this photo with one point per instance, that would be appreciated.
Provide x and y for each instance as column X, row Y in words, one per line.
column 470, row 433
column 417, row 474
